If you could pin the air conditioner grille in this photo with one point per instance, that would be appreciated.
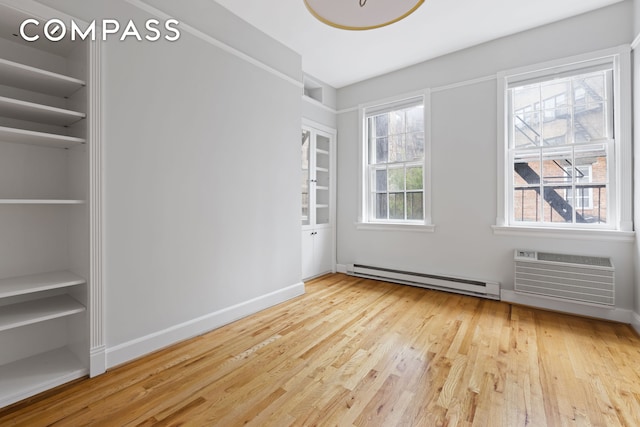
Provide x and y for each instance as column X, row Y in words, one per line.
column 569, row 277
column 575, row 259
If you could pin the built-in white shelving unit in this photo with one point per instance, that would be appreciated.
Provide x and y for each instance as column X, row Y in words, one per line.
column 318, row 200
column 38, row 80
column 43, row 371
column 23, row 285
column 25, row 136
column 45, row 210
column 40, row 202
column 31, row 111
column 38, row 310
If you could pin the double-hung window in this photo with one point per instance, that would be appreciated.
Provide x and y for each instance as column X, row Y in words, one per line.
column 563, row 145
column 394, row 162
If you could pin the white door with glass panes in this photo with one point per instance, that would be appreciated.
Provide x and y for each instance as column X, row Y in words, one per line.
column 318, row 200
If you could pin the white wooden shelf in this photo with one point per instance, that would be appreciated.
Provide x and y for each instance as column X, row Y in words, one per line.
column 322, row 206
column 38, row 282
column 39, row 310
column 37, row 80
column 30, row 376
column 322, row 169
column 320, row 151
column 322, row 187
column 40, row 202
column 23, row 110
column 23, row 136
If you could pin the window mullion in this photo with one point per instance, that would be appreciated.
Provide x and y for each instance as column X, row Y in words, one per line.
column 540, row 206
column 574, row 189
column 388, row 194
column 372, row 193
column 404, row 193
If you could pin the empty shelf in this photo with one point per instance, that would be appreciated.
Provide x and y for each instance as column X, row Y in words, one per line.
column 26, row 377
column 23, row 136
column 40, row 202
column 38, row 282
column 23, row 110
column 39, row 310
column 37, row 80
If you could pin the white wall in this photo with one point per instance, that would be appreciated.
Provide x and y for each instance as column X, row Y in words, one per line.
column 636, row 151
column 636, row 16
column 321, row 112
column 464, row 175
column 201, row 213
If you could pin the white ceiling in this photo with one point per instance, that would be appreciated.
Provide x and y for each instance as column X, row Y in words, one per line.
column 341, row 57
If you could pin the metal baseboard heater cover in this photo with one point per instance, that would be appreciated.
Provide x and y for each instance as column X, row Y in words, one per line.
column 478, row 288
column 584, row 279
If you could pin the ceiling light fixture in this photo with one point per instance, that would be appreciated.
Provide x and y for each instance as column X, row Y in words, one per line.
column 361, row 14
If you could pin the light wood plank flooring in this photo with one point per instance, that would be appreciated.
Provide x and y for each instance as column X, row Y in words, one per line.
column 367, row 353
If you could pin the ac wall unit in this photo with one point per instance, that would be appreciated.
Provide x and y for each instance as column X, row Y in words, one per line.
column 471, row 287
column 584, row 279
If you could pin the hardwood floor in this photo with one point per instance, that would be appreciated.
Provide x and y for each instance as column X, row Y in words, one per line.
column 367, row 353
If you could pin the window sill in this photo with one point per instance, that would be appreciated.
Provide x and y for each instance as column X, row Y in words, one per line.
column 565, row 233
column 420, row 228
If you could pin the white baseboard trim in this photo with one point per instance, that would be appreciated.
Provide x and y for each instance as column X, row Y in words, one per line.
column 138, row 347
column 635, row 322
column 614, row 314
column 97, row 361
column 341, row 268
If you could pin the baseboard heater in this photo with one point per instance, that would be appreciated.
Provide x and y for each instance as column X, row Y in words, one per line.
column 584, row 279
column 478, row 288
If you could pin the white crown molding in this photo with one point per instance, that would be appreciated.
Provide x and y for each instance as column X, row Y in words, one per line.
column 348, row 110
column 215, row 42
column 463, row 83
column 432, row 90
column 318, row 104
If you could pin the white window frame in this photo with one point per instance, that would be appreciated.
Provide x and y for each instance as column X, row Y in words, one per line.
column 620, row 218
column 588, row 195
column 366, row 219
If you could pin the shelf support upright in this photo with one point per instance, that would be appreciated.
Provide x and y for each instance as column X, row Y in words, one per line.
column 97, row 363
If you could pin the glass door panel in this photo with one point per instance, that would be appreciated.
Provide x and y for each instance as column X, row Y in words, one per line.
column 305, row 177
column 322, row 178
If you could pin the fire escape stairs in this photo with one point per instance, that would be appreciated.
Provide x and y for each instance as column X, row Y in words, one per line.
column 551, row 196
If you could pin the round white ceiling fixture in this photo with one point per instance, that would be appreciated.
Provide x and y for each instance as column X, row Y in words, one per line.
column 361, row 14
